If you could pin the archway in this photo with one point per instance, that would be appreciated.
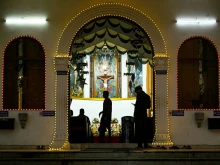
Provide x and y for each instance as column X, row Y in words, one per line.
column 120, row 49
column 62, row 60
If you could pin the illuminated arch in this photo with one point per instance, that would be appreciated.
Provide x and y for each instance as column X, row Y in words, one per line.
column 111, row 9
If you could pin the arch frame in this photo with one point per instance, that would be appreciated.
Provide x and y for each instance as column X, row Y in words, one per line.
column 3, row 65
column 177, row 75
column 60, row 138
column 111, row 9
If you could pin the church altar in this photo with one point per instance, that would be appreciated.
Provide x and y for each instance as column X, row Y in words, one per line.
column 92, row 107
column 115, row 129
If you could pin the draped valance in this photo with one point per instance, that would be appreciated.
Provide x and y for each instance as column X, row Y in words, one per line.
column 117, row 34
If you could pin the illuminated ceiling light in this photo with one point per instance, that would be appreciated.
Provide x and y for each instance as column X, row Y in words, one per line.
column 26, row 21
column 196, row 22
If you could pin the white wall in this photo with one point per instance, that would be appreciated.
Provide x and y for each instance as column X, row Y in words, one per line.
column 92, row 108
column 184, row 130
column 38, row 130
column 124, row 78
column 144, row 74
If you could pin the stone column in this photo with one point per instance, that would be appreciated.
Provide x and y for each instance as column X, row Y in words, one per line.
column 60, row 139
column 162, row 134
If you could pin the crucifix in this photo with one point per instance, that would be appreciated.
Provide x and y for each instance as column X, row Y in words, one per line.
column 105, row 78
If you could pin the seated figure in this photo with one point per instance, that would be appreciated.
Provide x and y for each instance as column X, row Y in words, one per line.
column 80, row 131
column 82, row 113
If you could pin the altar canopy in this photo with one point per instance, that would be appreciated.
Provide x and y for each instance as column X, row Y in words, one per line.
column 96, row 52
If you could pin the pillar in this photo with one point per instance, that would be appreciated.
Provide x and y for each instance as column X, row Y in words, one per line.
column 60, row 139
column 162, row 134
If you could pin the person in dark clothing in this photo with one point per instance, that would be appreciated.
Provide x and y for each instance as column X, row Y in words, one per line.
column 82, row 113
column 106, row 118
column 140, row 116
column 71, row 113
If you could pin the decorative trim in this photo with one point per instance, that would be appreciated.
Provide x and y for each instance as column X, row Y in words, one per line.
column 216, row 113
column 3, row 113
column 161, row 72
column 47, row 113
column 177, row 112
column 62, row 72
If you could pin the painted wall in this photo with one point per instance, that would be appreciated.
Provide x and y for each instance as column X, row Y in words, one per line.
column 59, row 13
column 184, row 130
column 38, row 130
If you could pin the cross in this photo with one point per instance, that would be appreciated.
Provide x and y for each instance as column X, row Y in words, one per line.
column 105, row 78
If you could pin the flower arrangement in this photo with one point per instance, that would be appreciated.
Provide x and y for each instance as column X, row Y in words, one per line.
column 95, row 121
column 115, row 120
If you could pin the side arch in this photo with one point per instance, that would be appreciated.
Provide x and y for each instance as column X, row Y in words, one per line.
column 209, row 67
column 23, row 64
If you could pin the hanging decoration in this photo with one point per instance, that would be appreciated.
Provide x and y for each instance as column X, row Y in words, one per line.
column 108, row 39
column 116, row 34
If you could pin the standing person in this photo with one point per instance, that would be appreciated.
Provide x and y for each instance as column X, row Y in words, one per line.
column 140, row 116
column 106, row 118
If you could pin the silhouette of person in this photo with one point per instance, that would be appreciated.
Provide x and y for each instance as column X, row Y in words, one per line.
column 82, row 113
column 71, row 113
column 106, row 118
column 140, row 116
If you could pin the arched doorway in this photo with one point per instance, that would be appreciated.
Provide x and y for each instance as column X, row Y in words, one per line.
column 162, row 136
column 117, row 48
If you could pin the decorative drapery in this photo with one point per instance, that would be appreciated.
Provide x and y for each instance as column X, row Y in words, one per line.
column 117, row 34
column 109, row 37
column 143, row 57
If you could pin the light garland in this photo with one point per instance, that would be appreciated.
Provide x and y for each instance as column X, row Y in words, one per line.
column 198, row 109
column 62, row 55
column 168, row 115
column 67, row 114
column 167, row 108
column 3, row 67
column 67, row 121
column 55, row 103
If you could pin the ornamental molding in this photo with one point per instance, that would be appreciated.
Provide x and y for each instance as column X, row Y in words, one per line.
column 62, row 63
column 161, row 62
